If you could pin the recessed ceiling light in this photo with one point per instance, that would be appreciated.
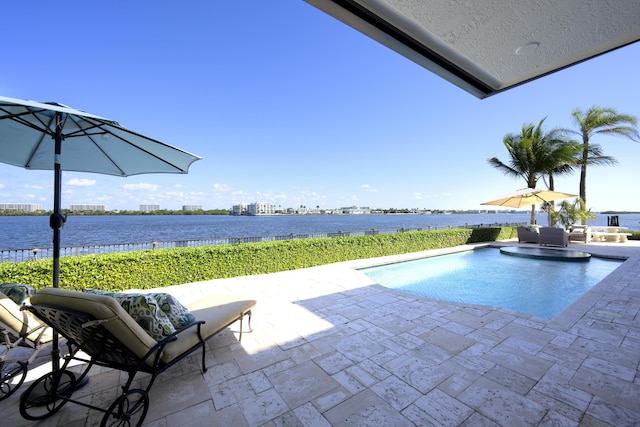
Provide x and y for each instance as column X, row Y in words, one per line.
column 528, row 49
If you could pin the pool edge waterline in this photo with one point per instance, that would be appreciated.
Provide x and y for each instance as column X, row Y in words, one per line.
column 547, row 304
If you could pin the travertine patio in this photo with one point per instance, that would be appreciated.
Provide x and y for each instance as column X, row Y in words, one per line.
column 328, row 347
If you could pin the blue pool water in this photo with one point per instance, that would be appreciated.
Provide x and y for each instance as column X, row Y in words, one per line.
column 542, row 288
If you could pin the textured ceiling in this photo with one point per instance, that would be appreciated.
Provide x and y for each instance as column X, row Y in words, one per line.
column 486, row 46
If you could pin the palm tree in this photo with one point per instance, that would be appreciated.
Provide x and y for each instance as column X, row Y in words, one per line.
column 598, row 120
column 536, row 154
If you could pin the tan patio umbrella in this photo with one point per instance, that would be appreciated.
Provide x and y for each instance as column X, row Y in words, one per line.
column 528, row 197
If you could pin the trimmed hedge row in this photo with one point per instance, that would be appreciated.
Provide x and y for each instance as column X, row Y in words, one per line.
column 165, row 267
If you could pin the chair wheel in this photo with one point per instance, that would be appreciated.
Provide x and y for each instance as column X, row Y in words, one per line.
column 12, row 375
column 129, row 409
column 47, row 395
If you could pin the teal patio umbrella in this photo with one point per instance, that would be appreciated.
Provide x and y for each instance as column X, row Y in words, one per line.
column 52, row 136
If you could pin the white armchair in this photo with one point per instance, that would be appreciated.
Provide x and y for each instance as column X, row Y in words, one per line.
column 580, row 233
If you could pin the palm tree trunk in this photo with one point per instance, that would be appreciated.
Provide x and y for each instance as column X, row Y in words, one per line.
column 583, row 176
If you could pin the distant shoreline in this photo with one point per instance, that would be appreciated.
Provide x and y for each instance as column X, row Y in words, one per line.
column 223, row 212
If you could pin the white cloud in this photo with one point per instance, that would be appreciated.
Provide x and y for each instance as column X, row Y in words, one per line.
column 1, row 185
column 31, row 186
column 81, row 182
column 141, row 186
column 221, row 187
column 269, row 197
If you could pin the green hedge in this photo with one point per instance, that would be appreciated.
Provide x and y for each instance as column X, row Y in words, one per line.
column 165, row 267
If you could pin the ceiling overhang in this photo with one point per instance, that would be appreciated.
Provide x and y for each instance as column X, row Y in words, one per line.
column 488, row 46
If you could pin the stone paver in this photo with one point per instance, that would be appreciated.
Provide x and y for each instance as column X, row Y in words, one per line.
column 329, row 347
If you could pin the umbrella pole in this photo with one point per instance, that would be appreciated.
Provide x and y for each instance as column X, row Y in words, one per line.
column 56, row 221
column 533, row 214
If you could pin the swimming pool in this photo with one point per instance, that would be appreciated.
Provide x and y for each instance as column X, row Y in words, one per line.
column 542, row 288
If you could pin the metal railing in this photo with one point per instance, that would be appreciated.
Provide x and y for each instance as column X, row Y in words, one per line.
column 19, row 255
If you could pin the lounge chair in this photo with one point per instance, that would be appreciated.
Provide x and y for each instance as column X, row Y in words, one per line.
column 528, row 234
column 553, row 236
column 18, row 329
column 580, row 233
column 101, row 328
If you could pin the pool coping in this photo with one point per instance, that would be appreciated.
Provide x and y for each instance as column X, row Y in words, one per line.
column 564, row 320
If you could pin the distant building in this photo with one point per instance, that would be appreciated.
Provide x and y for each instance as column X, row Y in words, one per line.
column 95, row 208
column 258, row 208
column 355, row 210
column 239, row 209
column 20, row 207
column 192, row 207
column 303, row 210
column 261, row 208
column 149, row 208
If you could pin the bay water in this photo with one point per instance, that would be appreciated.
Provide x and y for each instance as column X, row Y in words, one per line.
column 23, row 232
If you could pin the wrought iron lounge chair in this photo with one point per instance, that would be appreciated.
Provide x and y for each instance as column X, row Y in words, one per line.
column 18, row 329
column 98, row 326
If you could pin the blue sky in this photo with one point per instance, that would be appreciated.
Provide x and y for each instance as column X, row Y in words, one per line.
column 289, row 106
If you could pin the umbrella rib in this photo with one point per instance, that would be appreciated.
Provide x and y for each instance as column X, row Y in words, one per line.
column 117, row 126
column 97, row 124
column 45, row 128
column 91, row 127
column 83, row 132
column 147, row 151
column 18, row 117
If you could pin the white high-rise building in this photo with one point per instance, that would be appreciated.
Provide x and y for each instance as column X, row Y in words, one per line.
column 149, row 208
column 261, row 208
column 192, row 207
column 258, row 208
column 95, row 208
column 239, row 209
column 22, row 207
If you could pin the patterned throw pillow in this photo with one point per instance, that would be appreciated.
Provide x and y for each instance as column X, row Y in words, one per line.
column 145, row 310
column 176, row 312
column 17, row 292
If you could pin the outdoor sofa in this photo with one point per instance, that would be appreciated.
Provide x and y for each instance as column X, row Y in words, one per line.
column 100, row 331
column 553, row 236
column 528, row 233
